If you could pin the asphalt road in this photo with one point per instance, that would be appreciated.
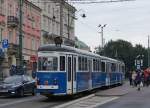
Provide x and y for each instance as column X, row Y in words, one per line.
column 134, row 99
column 118, row 97
column 30, row 102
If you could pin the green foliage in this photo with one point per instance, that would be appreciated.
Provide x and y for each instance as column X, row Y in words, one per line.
column 125, row 51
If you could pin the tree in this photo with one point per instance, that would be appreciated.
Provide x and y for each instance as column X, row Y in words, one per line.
column 121, row 50
column 124, row 51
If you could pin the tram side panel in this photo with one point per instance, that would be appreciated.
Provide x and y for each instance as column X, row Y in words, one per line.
column 96, row 79
column 82, row 81
column 96, row 74
column 82, row 75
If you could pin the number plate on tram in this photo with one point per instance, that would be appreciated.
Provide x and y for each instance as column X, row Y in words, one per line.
column 47, row 87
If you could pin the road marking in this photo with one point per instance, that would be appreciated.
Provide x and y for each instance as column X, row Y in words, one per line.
column 75, row 101
column 20, row 101
column 103, row 102
column 91, row 101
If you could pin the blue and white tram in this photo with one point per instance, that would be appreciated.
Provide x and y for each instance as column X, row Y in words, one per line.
column 66, row 71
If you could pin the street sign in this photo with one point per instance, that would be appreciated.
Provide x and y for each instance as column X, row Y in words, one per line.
column 138, row 67
column 5, row 43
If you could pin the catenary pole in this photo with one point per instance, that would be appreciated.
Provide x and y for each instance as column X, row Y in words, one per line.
column 20, row 33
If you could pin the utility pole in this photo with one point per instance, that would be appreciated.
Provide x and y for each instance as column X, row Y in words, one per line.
column 61, row 17
column 148, row 53
column 102, row 36
column 68, row 23
column 102, row 39
column 20, row 33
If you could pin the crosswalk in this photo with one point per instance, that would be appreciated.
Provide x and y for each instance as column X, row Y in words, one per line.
column 90, row 102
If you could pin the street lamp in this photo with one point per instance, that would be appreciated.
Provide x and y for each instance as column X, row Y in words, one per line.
column 102, row 39
column 81, row 12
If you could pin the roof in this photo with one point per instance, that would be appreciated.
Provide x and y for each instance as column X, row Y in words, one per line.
column 63, row 48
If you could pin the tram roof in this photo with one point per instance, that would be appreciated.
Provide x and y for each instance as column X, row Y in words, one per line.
column 63, row 48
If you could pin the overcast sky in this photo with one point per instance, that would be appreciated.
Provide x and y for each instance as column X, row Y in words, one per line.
column 125, row 20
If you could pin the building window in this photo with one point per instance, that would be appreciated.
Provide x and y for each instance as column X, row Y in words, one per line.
column 33, row 23
column 17, row 38
column 37, row 44
column 44, row 6
column 1, row 6
column 10, row 9
column 44, row 22
column 33, row 44
column 23, row 41
column 1, row 34
column 49, row 8
column 10, row 36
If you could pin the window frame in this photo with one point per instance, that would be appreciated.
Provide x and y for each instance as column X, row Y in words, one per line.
column 61, row 62
column 52, row 63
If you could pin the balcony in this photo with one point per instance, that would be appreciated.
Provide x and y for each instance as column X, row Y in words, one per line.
column 12, row 21
column 69, row 42
column 13, row 49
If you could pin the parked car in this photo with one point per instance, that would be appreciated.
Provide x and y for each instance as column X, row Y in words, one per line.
column 17, row 85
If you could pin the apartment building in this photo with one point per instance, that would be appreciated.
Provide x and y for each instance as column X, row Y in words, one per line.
column 50, row 21
column 9, row 29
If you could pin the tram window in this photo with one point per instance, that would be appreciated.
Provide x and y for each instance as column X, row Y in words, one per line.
column 113, row 67
column 55, row 63
column 79, row 63
column 69, row 68
column 103, row 66
column 47, row 63
column 86, row 64
column 123, row 69
column 74, row 68
column 94, row 64
column 62, row 63
column 119, row 68
column 82, row 64
column 99, row 62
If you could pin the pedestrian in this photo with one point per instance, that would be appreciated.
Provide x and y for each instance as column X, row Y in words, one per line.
column 146, row 78
column 146, row 75
column 139, row 80
column 134, row 78
column 130, row 78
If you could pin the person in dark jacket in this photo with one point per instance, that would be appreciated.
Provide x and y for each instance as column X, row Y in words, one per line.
column 130, row 78
column 139, row 78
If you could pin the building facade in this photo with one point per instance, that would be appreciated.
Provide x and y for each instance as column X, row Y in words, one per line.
column 51, row 21
column 9, row 29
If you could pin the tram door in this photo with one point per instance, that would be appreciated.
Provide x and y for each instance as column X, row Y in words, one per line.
column 90, row 73
column 107, row 73
column 71, row 74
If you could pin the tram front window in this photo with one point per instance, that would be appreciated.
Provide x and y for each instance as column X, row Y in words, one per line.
column 47, row 63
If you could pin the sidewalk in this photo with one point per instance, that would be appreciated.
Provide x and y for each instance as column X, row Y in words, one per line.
column 117, row 91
